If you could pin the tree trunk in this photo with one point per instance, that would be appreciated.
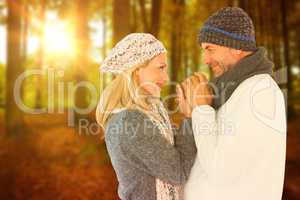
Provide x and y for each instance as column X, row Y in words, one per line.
column 176, row 50
column 134, row 18
column 40, row 63
column 24, row 38
column 286, row 42
column 121, row 19
column 144, row 15
column 243, row 4
column 270, row 35
column 82, row 60
column 13, row 115
column 298, row 46
column 104, row 47
column 155, row 17
column 25, row 26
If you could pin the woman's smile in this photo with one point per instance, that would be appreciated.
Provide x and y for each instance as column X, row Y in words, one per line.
column 160, row 84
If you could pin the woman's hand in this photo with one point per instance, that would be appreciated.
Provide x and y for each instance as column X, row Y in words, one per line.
column 192, row 92
column 184, row 107
column 200, row 92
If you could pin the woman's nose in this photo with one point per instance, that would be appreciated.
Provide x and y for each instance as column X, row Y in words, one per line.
column 166, row 77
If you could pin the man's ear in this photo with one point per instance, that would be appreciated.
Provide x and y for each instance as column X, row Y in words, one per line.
column 239, row 52
column 236, row 53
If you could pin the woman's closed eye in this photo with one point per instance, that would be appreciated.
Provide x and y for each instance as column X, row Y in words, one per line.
column 162, row 67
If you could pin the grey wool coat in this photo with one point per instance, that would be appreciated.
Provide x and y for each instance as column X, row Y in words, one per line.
column 140, row 153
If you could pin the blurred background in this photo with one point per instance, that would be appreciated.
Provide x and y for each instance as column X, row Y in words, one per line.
column 50, row 51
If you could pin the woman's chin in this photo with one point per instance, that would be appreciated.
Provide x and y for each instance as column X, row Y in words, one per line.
column 154, row 93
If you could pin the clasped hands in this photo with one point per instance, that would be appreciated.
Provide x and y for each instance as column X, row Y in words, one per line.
column 192, row 92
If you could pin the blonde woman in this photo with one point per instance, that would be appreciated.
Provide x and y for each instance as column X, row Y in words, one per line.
column 151, row 161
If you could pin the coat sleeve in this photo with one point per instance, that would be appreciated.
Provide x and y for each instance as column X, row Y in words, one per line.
column 147, row 149
column 185, row 143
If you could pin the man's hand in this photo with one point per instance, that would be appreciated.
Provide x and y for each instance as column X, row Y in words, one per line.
column 194, row 91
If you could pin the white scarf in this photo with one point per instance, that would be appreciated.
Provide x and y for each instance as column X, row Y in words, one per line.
column 164, row 190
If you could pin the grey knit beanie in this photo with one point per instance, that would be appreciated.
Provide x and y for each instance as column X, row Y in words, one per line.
column 231, row 27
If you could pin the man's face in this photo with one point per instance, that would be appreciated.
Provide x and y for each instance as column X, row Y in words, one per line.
column 220, row 59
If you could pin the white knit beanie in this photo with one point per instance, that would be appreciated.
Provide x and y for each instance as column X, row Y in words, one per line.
column 132, row 50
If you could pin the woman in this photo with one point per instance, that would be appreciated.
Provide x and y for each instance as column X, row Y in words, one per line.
column 150, row 163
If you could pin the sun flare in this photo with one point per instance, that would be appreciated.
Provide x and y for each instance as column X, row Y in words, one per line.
column 58, row 39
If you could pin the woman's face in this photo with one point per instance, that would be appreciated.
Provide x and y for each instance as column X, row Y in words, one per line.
column 154, row 76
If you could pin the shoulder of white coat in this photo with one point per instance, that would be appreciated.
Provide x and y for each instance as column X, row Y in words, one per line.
column 268, row 103
column 254, row 84
column 261, row 96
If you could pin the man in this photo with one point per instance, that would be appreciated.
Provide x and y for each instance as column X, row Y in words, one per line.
column 238, row 118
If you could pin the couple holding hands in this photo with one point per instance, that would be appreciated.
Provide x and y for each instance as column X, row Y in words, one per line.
column 231, row 143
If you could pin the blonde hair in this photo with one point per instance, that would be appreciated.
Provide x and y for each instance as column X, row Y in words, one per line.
column 122, row 92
